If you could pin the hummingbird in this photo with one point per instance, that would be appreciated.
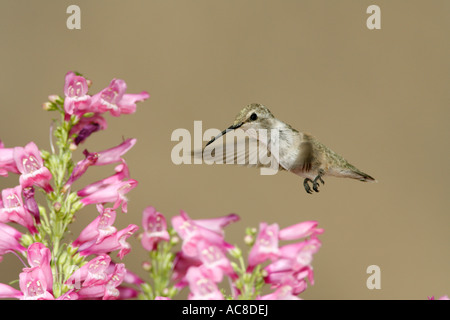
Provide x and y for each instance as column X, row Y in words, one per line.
column 299, row 152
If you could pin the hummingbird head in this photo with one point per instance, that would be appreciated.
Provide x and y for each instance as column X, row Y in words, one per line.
column 254, row 116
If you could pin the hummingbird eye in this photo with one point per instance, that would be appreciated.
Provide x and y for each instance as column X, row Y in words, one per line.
column 253, row 117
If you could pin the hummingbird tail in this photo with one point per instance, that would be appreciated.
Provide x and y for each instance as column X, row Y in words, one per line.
column 361, row 176
column 352, row 172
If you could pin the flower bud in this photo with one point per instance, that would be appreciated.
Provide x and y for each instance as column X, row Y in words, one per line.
column 146, row 266
column 49, row 106
column 236, row 253
column 57, row 206
column 54, row 98
column 26, row 240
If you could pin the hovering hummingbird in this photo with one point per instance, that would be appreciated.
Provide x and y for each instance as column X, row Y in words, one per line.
column 299, row 153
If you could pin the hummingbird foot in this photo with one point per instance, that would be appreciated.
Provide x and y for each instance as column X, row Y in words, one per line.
column 315, row 183
column 308, row 188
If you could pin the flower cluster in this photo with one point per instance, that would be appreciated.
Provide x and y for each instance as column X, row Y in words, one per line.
column 204, row 258
column 57, row 270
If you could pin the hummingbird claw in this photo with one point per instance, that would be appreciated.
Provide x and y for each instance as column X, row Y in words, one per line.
column 315, row 183
column 306, row 185
column 316, row 186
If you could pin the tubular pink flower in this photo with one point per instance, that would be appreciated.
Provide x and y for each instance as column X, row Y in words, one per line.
column 116, row 241
column 9, row 292
column 101, row 158
column 87, row 126
column 7, row 162
column 107, row 290
column 300, row 253
column 77, row 101
column 97, row 230
column 114, row 99
column 266, row 245
column 30, row 204
column 122, row 172
column 69, row 295
column 114, row 154
column 300, row 230
column 13, row 210
column 155, row 228
column 80, row 168
column 202, row 285
column 217, row 224
column 92, row 273
column 114, row 193
column 441, row 298
column 182, row 263
column 129, row 277
column 191, row 233
column 39, row 256
column 31, row 167
column 214, row 259
column 282, row 293
column 9, row 240
column 33, row 284
column 126, row 293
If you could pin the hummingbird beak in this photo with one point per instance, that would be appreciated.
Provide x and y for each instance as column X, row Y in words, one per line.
column 224, row 132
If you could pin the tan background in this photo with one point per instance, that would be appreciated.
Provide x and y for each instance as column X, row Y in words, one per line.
column 380, row 98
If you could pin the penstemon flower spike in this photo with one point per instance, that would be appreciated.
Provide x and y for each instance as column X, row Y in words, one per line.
column 53, row 174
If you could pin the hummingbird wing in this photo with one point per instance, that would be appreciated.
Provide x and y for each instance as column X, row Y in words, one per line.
column 305, row 157
column 245, row 151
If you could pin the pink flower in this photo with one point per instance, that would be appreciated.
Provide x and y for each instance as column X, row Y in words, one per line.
column 282, row 293
column 34, row 285
column 101, row 158
column 13, row 210
column 114, row 154
column 202, row 285
column 129, row 277
column 162, row 298
column 77, row 101
column 300, row 230
column 69, row 295
column 31, row 204
column 80, row 168
column 31, row 167
column 441, row 298
column 9, row 240
column 191, row 232
column 87, row 126
column 182, row 263
column 111, row 189
column 7, row 162
column 266, row 245
column 217, row 224
column 113, row 242
column 92, row 273
column 155, row 228
column 114, row 99
column 214, row 259
column 107, row 290
column 39, row 256
column 122, row 172
column 97, row 230
column 295, row 279
column 9, row 292
column 114, row 193
column 126, row 293
column 210, row 257
column 293, row 265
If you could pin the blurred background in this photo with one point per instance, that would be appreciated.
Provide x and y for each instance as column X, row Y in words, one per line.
column 380, row 98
